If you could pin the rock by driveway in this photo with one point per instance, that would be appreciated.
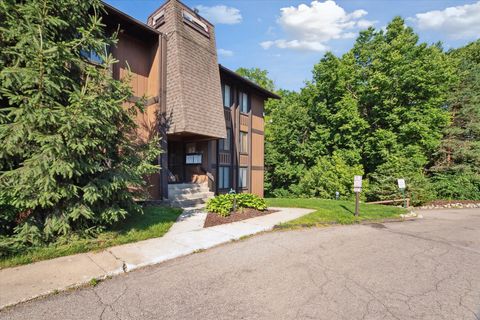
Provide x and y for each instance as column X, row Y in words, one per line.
column 425, row 269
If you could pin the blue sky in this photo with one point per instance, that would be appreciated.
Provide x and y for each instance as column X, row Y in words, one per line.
column 288, row 37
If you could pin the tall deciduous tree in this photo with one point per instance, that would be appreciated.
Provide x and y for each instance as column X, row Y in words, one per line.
column 385, row 99
column 69, row 156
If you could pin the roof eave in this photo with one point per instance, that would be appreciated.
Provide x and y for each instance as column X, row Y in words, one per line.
column 250, row 83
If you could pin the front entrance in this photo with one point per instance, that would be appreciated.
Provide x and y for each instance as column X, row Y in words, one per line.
column 187, row 161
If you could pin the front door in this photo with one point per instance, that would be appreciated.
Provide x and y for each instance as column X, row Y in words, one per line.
column 187, row 161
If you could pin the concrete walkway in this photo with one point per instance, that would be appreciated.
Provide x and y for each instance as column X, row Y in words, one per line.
column 185, row 237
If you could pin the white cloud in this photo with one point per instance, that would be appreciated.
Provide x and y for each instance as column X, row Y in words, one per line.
column 220, row 14
column 310, row 27
column 457, row 22
column 294, row 44
column 224, row 52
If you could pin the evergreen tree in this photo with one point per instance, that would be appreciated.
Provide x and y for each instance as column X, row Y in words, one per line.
column 457, row 168
column 69, row 157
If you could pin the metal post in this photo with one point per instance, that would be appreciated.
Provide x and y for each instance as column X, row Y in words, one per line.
column 232, row 192
column 357, row 203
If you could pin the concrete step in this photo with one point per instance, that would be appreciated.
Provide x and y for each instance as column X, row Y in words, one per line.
column 187, row 191
column 190, row 196
column 188, row 203
column 181, row 186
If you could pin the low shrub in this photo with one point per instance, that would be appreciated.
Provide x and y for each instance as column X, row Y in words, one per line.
column 223, row 204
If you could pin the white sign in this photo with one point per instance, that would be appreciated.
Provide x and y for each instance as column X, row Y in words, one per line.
column 357, row 184
column 401, row 183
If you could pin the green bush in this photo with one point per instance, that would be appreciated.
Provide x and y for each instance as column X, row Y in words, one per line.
column 328, row 175
column 223, row 204
column 457, row 185
column 248, row 200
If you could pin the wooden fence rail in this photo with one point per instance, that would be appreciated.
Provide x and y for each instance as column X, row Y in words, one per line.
column 407, row 200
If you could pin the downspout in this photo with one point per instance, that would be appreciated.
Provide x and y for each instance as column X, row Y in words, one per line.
column 163, row 123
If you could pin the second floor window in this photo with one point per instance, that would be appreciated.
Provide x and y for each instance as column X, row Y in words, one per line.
column 243, row 142
column 91, row 56
column 227, row 96
column 244, row 102
column 225, row 143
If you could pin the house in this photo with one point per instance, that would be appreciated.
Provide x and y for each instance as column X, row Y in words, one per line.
column 210, row 118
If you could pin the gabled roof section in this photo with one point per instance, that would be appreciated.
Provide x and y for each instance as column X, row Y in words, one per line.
column 248, row 83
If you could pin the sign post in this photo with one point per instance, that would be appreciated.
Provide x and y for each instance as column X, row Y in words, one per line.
column 401, row 186
column 357, row 188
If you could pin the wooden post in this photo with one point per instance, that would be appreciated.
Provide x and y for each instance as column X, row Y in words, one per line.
column 357, row 203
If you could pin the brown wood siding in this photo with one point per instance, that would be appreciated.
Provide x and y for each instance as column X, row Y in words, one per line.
column 257, row 182
column 258, row 153
column 141, row 62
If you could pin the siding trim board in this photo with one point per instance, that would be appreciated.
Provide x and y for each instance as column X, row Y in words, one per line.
column 256, row 131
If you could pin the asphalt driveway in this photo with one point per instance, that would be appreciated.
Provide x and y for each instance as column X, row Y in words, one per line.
column 426, row 269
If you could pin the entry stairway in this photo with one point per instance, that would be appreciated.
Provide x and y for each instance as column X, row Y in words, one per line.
column 189, row 195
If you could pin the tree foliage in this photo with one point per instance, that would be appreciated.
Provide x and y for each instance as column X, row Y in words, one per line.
column 69, row 157
column 384, row 103
column 258, row 76
column 457, row 166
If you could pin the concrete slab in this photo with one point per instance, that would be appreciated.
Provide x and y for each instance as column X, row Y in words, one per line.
column 188, row 221
column 202, row 239
column 106, row 261
column 26, row 282
column 283, row 215
column 238, row 229
column 148, row 252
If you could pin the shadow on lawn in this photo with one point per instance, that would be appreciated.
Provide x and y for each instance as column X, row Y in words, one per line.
column 347, row 209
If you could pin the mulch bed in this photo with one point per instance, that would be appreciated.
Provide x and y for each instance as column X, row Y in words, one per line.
column 214, row 219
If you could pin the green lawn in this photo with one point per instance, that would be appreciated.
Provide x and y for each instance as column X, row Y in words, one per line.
column 154, row 223
column 334, row 211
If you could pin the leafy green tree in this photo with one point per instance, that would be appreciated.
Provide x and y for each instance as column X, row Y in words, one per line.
column 258, row 76
column 399, row 88
column 328, row 176
column 382, row 100
column 457, row 167
column 69, row 156
column 290, row 142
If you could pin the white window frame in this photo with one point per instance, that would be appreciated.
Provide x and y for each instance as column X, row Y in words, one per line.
column 243, row 177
